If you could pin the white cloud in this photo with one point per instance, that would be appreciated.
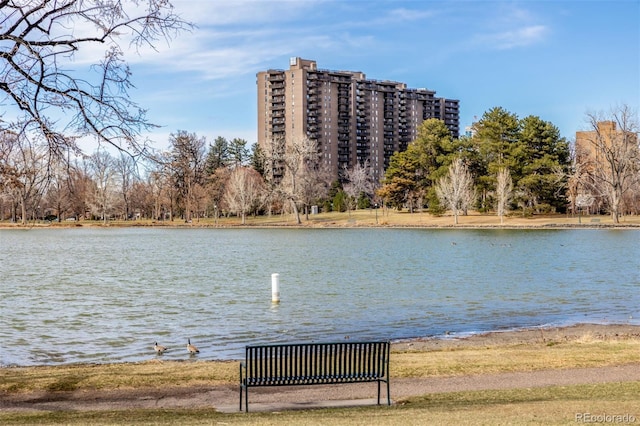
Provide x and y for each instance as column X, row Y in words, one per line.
column 410, row 14
column 514, row 38
column 245, row 12
column 510, row 26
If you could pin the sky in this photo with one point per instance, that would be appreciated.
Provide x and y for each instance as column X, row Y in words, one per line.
column 557, row 60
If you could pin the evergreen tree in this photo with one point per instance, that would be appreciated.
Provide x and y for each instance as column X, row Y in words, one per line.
column 257, row 158
column 544, row 165
column 238, row 151
column 218, row 155
column 401, row 181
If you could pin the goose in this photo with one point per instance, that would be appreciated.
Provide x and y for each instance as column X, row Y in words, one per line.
column 159, row 348
column 192, row 349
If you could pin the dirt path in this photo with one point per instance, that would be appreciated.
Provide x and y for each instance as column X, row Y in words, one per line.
column 225, row 398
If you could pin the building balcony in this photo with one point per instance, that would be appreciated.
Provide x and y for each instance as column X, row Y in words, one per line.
column 276, row 77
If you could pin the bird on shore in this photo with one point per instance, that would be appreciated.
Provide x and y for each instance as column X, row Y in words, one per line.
column 191, row 348
column 159, row 348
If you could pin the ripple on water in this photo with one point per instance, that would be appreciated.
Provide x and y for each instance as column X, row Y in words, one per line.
column 107, row 295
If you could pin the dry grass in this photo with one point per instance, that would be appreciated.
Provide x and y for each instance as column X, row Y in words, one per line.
column 371, row 217
column 448, row 362
column 584, row 352
column 117, row 376
column 552, row 405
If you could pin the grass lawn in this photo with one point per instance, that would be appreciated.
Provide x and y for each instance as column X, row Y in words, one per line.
column 552, row 405
column 545, row 405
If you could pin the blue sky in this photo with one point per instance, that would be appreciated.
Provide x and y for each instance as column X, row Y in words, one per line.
column 554, row 59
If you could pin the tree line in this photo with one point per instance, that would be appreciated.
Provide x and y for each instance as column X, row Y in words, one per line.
column 507, row 164
column 523, row 165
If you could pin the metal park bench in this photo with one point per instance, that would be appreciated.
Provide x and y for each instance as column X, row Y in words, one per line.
column 314, row 364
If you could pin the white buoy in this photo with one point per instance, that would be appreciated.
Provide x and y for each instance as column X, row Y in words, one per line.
column 275, row 288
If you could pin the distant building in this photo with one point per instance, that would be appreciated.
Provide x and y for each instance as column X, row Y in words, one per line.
column 591, row 145
column 595, row 151
column 353, row 119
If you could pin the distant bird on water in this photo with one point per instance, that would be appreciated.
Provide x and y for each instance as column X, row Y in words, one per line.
column 159, row 348
column 192, row 349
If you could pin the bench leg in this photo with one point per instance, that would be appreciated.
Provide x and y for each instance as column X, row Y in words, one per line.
column 388, row 393
column 245, row 389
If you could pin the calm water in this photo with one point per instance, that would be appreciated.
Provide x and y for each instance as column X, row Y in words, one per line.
column 106, row 295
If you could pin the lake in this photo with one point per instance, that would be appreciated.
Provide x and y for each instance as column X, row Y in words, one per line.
column 100, row 295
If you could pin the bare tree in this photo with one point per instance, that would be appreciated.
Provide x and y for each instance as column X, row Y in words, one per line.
column 102, row 166
column 187, row 163
column 158, row 182
column 504, row 188
column 58, row 196
column 243, row 191
column 141, row 200
column 80, row 186
column 52, row 99
column 24, row 173
column 216, row 188
column 611, row 159
column 314, row 184
column 455, row 190
column 286, row 163
column 359, row 180
column 127, row 176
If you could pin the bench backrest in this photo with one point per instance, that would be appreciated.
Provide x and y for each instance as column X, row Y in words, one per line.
column 316, row 362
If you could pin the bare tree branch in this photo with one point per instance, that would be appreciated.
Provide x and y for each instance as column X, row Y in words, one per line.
column 455, row 190
column 504, row 188
column 609, row 159
column 38, row 39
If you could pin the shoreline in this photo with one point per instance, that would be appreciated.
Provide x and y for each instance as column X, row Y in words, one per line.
column 315, row 225
column 370, row 218
column 523, row 336
column 541, row 335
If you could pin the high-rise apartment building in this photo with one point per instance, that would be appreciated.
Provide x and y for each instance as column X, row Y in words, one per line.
column 352, row 119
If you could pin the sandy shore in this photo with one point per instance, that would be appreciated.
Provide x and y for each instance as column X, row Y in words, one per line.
column 582, row 332
column 225, row 398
